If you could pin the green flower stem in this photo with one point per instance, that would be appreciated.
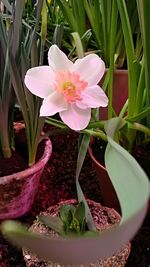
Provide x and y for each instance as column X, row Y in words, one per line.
column 60, row 124
column 55, row 122
column 96, row 124
column 95, row 133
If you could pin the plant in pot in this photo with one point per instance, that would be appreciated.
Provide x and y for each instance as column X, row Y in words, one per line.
column 75, row 20
column 18, row 44
column 107, row 31
column 71, row 91
column 134, row 135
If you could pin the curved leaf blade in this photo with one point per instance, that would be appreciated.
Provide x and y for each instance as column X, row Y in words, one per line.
column 126, row 175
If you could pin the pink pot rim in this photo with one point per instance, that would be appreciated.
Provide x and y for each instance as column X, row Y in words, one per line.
column 35, row 168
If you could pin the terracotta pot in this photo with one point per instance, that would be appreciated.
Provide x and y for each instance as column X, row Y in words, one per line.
column 104, row 218
column 120, row 92
column 17, row 191
column 107, row 190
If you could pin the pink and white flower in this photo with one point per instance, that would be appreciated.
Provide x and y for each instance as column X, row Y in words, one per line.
column 68, row 88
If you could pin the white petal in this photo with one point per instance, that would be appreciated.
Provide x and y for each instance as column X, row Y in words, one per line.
column 94, row 97
column 58, row 60
column 77, row 119
column 91, row 68
column 52, row 104
column 39, row 80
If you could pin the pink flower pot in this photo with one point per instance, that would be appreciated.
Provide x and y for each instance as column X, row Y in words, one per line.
column 17, row 191
column 120, row 93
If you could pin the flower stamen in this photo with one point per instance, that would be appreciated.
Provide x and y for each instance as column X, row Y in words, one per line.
column 70, row 85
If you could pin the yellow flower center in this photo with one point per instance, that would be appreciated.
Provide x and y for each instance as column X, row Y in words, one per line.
column 70, row 85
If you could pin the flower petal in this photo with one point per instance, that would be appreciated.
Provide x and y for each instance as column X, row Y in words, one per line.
column 91, row 68
column 58, row 60
column 93, row 97
column 39, row 80
column 77, row 119
column 52, row 104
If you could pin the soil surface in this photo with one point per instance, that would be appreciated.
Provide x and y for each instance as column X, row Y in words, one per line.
column 104, row 218
column 57, row 184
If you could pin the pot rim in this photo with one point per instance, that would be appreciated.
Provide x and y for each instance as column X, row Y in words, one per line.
column 34, row 168
column 90, row 150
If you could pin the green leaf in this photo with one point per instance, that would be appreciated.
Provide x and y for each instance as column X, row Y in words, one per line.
column 3, row 36
column 80, row 212
column 127, row 176
column 139, row 116
column 7, row 5
column 17, row 84
column 58, row 35
column 67, row 213
column 52, row 222
column 80, row 215
column 129, row 45
column 68, row 14
column 144, row 18
column 90, row 233
column 17, row 24
column 78, row 44
column 81, row 157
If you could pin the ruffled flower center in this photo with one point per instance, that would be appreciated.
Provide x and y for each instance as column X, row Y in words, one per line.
column 70, row 85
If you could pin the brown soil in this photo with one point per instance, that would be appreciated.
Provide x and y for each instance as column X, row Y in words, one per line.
column 98, row 148
column 58, row 183
column 12, row 165
column 142, row 155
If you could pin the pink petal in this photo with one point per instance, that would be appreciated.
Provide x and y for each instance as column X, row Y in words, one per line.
column 91, row 68
column 93, row 97
column 52, row 104
column 58, row 60
column 39, row 80
column 80, row 104
column 77, row 119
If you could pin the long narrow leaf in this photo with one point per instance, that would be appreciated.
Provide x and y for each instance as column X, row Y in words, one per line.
column 7, row 5
column 130, row 54
column 81, row 157
column 127, row 176
column 17, row 23
column 3, row 37
column 68, row 15
column 17, row 84
column 143, row 9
